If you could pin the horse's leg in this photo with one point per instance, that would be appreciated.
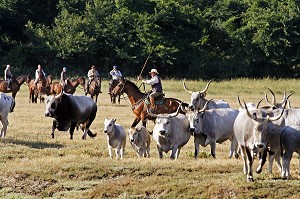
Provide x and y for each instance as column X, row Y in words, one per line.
column 119, row 96
column 135, row 122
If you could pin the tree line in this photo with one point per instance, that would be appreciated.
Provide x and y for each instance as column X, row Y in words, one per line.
column 193, row 39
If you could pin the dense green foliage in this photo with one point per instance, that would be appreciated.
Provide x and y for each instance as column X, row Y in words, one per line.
column 186, row 38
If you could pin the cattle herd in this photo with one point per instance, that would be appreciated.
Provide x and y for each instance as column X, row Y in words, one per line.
column 271, row 131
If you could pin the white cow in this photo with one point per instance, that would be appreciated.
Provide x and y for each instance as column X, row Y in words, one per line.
column 140, row 140
column 213, row 126
column 171, row 132
column 116, row 137
column 251, row 129
column 7, row 105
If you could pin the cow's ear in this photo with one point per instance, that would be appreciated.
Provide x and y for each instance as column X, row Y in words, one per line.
column 115, row 119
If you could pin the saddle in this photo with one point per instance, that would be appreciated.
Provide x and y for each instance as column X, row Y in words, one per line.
column 159, row 100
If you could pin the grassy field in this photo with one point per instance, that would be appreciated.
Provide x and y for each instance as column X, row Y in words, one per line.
column 32, row 165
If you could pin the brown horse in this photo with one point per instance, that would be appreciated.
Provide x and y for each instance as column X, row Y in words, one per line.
column 139, row 105
column 70, row 87
column 14, row 86
column 113, row 97
column 95, row 88
column 42, row 88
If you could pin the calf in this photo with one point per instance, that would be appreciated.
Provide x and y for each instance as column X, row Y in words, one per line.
column 140, row 140
column 7, row 105
column 116, row 137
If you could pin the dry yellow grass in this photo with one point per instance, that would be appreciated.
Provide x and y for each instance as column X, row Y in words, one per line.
column 35, row 166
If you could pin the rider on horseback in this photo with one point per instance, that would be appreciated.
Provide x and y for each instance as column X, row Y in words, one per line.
column 37, row 75
column 63, row 78
column 93, row 73
column 8, row 76
column 157, row 89
column 116, row 75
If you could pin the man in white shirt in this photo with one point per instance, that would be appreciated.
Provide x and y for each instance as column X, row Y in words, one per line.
column 116, row 75
column 156, row 85
column 37, row 73
column 8, row 76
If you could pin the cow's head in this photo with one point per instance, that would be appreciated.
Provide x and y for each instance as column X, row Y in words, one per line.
column 109, row 125
column 197, row 98
column 195, row 118
column 51, row 104
column 261, row 126
column 133, row 134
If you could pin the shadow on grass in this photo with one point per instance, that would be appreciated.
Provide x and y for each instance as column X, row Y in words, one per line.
column 33, row 144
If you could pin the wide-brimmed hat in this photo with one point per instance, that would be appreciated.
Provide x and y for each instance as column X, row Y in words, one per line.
column 93, row 67
column 153, row 71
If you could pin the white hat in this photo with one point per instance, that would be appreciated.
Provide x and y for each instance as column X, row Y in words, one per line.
column 64, row 68
column 153, row 71
column 7, row 66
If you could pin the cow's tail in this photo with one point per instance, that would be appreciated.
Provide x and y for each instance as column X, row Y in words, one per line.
column 92, row 135
column 12, row 106
column 281, row 146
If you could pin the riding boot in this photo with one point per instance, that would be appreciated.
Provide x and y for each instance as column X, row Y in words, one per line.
column 109, row 88
column 152, row 104
column 8, row 86
column 87, row 87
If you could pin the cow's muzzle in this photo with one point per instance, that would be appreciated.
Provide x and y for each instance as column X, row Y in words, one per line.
column 48, row 114
column 192, row 129
column 162, row 132
column 191, row 106
column 105, row 131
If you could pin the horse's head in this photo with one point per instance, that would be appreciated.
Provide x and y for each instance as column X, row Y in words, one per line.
column 81, row 81
column 42, row 78
column 28, row 79
column 119, row 89
column 49, row 80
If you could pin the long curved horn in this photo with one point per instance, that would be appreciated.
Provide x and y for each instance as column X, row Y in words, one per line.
column 248, row 113
column 151, row 114
column 278, row 116
column 257, row 106
column 267, row 100
column 59, row 96
column 238, row 99
column 274, row 99
column 205, row 106
column 177, row 111
column 285, row 97
column 184, row 86
column 205, row 89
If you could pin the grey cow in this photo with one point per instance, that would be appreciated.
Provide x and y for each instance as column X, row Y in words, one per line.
column 198, row 99
column 213, row 126
column 251, row 129
column 140, row 140
column 171, row 132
